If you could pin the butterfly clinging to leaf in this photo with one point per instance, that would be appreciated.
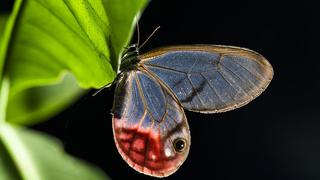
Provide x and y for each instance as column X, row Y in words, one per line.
column 150, row 128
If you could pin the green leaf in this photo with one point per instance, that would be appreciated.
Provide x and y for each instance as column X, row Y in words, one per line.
column 38, row 103
column 25, row 154
column 7, row 33
column 122, row 17
column 34, row 156
column 8, row 169
column 52, row 38
column 3, row 20
column 4, row 93
column 55, row 36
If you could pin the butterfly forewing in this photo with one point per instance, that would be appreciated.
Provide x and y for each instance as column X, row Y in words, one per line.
column 147, row 120
column 210, row 78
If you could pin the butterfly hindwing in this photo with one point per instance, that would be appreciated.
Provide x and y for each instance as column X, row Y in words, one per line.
column 147, row 121
column 210, row 78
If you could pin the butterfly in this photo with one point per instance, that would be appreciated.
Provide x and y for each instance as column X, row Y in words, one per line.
column 150, row 127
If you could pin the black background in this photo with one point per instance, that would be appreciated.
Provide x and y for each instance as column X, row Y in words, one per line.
column 277, row 136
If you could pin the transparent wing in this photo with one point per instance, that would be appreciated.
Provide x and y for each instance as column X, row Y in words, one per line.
column 210, row 78
column 147, row 120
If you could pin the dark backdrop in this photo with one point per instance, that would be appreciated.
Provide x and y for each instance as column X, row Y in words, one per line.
column 277, row 136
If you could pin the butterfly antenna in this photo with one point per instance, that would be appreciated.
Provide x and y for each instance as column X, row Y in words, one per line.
column 138, row 31
column 154, row 31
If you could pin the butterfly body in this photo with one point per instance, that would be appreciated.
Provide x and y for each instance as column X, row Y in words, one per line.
column 150, row 127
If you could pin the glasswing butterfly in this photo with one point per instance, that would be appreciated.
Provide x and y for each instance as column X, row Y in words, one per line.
column 150, row 128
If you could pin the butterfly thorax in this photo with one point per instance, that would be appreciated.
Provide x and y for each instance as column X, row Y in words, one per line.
column 129, row 60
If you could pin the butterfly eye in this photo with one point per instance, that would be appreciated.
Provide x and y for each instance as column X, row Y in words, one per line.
column 179, row 144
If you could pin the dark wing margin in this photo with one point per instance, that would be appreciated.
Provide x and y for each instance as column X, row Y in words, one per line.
column 210, row 78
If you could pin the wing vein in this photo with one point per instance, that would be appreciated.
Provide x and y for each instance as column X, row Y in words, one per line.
column 195, row 90
column 147, row 146
column 173, row 119
column 143, row 99
column 195, row 62
column 237, row 77
column 253, row 74
column 166, row 68
column 213, row 89
column 221, row 74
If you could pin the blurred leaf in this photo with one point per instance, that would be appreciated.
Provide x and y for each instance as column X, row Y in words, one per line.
column 7, row 167
column 35, row 156
column 3, row 20
column 29, row 155
column 54, row 37
column 36, row 103
column 4, row 93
